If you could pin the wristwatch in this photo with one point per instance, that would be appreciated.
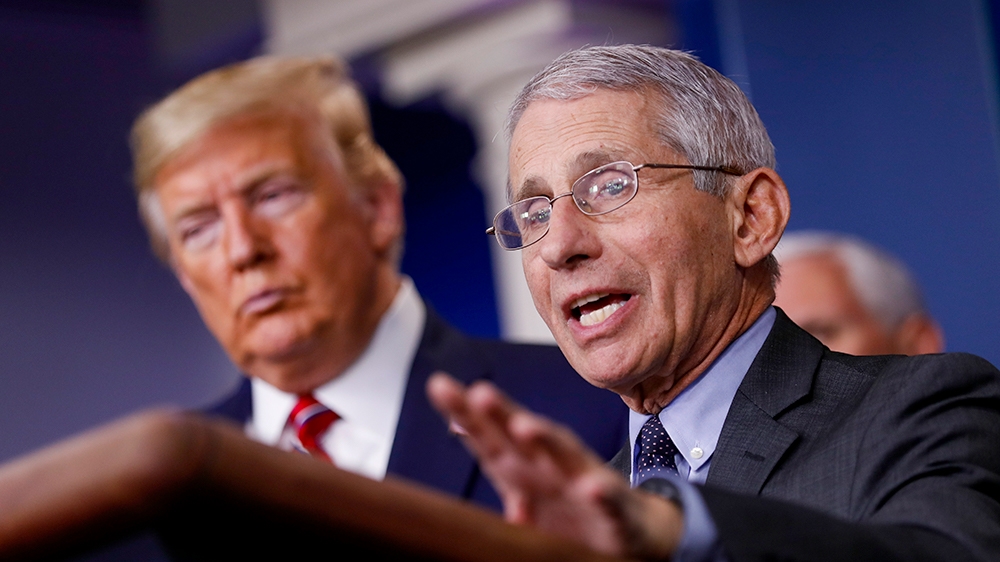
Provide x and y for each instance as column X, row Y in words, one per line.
column 663, row 488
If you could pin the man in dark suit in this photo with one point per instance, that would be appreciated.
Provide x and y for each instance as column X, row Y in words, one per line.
column 748, row 439
column 263, row 190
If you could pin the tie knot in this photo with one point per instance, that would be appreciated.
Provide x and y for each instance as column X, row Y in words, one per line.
column 654, row 452
column 310, row 419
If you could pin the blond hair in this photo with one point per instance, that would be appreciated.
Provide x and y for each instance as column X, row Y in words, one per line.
column 318, row 85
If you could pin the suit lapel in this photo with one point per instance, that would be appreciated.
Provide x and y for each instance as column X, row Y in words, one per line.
column 753, row 440
column 421, row 433
column 622, row 462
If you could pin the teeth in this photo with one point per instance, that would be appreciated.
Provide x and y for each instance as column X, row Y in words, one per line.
column 600, row 315
column 590, row 298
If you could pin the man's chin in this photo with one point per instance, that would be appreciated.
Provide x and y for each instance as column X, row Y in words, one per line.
column 273, row 352
column 610, row 378
column 286, row 371
column 599, row 367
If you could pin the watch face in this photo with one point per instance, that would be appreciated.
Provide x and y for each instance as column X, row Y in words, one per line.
column 663, row 488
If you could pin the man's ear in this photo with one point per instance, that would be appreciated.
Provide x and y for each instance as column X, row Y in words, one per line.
column 918, row 334
column 760, row 209
column 385, row 205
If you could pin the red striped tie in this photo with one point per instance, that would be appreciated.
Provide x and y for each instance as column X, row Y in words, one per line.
column 311, row 419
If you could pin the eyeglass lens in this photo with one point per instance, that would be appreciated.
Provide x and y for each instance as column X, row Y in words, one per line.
column 597, row 192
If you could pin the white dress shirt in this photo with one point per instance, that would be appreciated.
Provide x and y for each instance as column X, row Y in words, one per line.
column 368, row 396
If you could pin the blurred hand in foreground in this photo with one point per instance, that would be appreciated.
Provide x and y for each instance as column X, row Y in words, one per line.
column 548, row 479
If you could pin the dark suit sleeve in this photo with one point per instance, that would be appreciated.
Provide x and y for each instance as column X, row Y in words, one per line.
column 754, row 528
column 923, row 482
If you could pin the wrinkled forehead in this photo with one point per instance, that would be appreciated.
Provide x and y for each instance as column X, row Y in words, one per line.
column 558, row 141
column 531, row 185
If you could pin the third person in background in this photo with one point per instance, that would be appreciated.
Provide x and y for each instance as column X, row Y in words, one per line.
column 852, row 296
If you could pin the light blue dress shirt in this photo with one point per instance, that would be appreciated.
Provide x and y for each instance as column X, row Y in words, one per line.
column 694, row 422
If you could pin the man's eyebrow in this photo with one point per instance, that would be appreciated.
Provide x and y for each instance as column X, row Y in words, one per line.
column 530, row 187
column 250, row 181
column 191, row 208
column 581, row 164
column 189, row 213
column 254, row 178
column 587, row 161
column 250, row 189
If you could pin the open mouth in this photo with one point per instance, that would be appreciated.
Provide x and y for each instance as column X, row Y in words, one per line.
column 594, row 309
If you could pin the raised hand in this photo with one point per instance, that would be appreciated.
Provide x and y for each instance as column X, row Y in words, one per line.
column 548, row 479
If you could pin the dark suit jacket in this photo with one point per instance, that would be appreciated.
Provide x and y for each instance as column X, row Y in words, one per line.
column 537, row 376
column 423, row 451
column 826, row 456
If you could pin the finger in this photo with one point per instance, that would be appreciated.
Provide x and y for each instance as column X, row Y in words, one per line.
column 491, row 404
column 507, row 424
column 536, row 435
column 480, row 410
column 455, row 402
column 516, row 508
column 489, row 413
column 446, row 394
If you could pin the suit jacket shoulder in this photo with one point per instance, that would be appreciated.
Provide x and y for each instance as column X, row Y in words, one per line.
column 888, row 457
column 237, row 406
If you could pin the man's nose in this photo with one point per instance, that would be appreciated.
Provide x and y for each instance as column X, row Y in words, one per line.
column 245, row 240
column 570, row 238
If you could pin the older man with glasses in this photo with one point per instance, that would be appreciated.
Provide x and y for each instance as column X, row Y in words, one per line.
column 748, row 439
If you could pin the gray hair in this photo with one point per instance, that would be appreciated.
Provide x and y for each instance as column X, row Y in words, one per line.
column 701, row 114
column 881, row 282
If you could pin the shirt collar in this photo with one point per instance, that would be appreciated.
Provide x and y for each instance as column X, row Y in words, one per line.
column 370, row 392
column 695, row 417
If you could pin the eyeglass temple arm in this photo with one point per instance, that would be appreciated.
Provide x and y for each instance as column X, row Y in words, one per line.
column 724, row 169
column 492, row 231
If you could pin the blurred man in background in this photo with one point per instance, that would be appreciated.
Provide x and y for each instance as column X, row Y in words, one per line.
column 854, row 297
column 263, row 190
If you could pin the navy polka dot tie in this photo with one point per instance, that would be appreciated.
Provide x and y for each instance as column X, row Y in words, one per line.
column 654, row 452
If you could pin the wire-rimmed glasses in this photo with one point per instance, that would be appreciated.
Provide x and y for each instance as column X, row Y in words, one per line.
column 597, row 192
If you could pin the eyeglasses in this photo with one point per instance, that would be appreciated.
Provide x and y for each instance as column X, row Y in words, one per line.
column 597, row 192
